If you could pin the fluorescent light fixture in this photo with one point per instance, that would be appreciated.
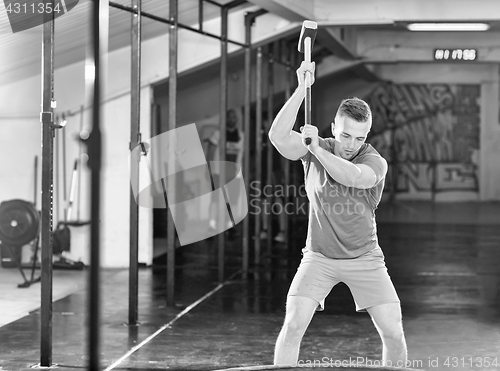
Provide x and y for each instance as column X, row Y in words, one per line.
column 448, row 26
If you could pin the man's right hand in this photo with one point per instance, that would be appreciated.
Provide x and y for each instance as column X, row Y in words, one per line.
column 301, row 72
column 310, row 131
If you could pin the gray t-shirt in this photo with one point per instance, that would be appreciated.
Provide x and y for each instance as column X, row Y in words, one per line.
column 342, row 219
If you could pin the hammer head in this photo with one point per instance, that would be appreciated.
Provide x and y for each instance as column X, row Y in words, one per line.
column 309, row 29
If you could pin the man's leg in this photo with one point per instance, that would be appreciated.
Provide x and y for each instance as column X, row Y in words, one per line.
column 388, row 321
column 299, row 312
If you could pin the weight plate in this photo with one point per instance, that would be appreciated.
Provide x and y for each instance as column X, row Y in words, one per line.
column 19, row 222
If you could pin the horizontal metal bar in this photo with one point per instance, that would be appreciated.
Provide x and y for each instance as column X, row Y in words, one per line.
column 213, row 3
column 167, row 21
column 234, row 4
column 210, row 35
column 277, row 61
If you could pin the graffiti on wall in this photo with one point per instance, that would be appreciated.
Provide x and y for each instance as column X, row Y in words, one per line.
column 429, row 134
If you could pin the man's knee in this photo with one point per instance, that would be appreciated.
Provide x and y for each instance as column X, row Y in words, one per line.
column 389, row 322
column 299, row 313
column 294, row 328
column 295, row 322
column 394, row 332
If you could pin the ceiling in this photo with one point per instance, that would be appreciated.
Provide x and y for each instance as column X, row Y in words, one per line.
column 20, row 53
column 338, row 20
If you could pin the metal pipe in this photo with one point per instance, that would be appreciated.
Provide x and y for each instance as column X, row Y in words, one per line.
column 35, row 183
column 56, row 208
column 270, row 149
column 213, row 3
column 94, row 142
column 286, row 164
column 249, row 20
column 46, row 118
column 272, row 58
column 222, row 136
column 246, row 143
column 394, row 170
column 65, row 195
column 169, row 21
column 172, row 123
column 200, row 15
column 295, row 61
column 80, row 154
column 258, row 146
column 135, row 139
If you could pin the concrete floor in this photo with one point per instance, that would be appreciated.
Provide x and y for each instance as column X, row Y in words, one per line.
column 444, row 261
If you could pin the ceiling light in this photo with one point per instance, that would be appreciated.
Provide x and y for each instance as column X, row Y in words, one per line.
column 448, row 26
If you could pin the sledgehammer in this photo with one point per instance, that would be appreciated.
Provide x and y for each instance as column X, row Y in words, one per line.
column 306, row 41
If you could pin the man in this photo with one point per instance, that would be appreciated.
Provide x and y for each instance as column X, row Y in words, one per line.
column 344, row 179
column 276, row 206
column 234, row 153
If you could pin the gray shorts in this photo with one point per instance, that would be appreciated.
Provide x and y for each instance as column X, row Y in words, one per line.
column 366, row 276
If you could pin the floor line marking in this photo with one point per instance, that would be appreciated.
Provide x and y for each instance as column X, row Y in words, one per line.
column 64, row 6
column 161, row 329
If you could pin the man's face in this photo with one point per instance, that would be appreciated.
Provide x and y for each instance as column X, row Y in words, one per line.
column 350, row 136
column 231, row 119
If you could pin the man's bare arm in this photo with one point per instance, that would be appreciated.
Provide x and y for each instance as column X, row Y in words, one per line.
column 287, row 141
column 345, row 172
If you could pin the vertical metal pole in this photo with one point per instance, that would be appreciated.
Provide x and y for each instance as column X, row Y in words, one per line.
column 258, row 152
column 200, row 15
column 46, row 118
column 79, row 173
column 94, row 142
column 222, row 128
column 57, row 205
column 64, row 170
column 286, row 164
column 270, row 149
column 135, row 139
column 35, row 183
column 249, row 20
column 172, row 123
column 394, row 169
column 433, row 165
column 246, row 144
column 294, row 61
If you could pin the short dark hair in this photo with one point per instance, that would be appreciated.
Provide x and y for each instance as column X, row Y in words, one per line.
column 356, row 109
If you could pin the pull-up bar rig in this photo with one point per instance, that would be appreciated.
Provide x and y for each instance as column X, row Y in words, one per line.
column 198, row 30
column 94, row 143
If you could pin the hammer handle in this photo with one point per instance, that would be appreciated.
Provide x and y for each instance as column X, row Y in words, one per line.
column 308, row 78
